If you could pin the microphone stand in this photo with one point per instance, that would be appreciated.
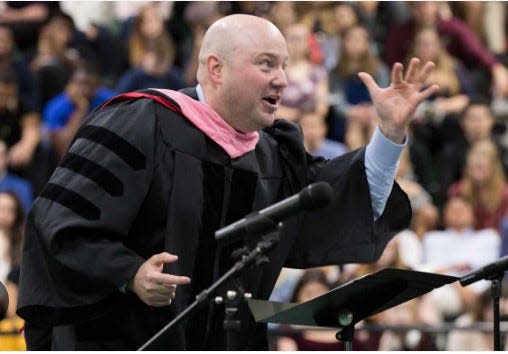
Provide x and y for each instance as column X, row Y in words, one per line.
column 231, row 324
column 495, row 274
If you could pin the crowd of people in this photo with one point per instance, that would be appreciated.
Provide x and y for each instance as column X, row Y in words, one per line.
column 61, row 60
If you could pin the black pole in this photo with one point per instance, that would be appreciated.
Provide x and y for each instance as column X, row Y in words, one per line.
column 267, row 242
column 496, row 295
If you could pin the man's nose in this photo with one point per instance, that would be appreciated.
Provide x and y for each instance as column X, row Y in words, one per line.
column 280, row 80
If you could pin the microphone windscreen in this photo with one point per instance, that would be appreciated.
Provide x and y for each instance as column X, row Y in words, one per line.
column 317, row 195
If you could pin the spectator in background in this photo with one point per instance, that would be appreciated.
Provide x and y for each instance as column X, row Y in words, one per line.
column 312, row 284
column 348, row 95
column 12, row 220
column 405, row 314
column 483, row 184
column 307, row 89
column 457, row 250
column 148, row 29
column 437, row 117
column 26, row 19
column 198, row 15
column 329, row 20
column 93, row 24
column 314, row 138
column 477, row 123
column 64, row 113
column 481, row 311
column 282, row 14
column 460, row 41
column 10, row 182
column 156, row 70
column 9, row 60
column 425, row 214
column 11, row 233
column 53, row 61
column 20, row 130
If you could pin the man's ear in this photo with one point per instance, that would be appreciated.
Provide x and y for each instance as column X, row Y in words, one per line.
column 214, row 66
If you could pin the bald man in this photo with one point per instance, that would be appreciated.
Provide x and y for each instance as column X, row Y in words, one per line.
column 121, row 240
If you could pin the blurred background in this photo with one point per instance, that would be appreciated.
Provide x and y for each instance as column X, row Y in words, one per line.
column 59, row 60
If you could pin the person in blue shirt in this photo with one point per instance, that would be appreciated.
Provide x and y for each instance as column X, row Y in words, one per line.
column 10, row 182
column 63, row 114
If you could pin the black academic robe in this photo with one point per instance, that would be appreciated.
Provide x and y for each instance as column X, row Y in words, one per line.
column 139, row 179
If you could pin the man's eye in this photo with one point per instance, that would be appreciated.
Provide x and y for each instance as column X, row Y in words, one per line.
column 267, row 63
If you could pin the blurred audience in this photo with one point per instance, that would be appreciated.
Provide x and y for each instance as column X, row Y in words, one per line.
column 307, row 87
column 477, row 124
column 64, row 113
column 312, row 284
column 404, row 314
column 481, row 311
column 460, row 41
column 10, row 182
column 11, row 234
column 349, row 97
column 483, row 184
column 457, row 250
column 9, row 59
column 314, row 138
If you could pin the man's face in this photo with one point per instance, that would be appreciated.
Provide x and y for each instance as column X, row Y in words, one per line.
column 253, row 80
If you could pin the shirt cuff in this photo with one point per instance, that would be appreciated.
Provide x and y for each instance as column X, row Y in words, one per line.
column 383, row 150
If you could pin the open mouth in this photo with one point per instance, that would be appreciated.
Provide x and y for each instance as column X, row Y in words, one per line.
column 272, row 100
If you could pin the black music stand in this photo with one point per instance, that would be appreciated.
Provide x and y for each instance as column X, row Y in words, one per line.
column 351, row 302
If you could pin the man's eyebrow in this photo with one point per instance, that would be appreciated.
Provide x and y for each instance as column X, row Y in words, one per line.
column 272, row 56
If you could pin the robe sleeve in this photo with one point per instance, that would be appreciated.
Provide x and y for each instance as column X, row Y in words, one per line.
column 74, row 255
column 345, row 230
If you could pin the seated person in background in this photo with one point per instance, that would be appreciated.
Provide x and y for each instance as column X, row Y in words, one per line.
column 12, row 220
column 436, row 119
column 13, row 61
column 405, row 314
column 425, row 214
column 456, row 251
column 9, row 182
column 481, row 311
column 307, row 89
column 349, row 97
column 461, row 41
column 312, row 284
column 314, row 138
column 64, row 113
column 20, row 130
column 156, row 71
column 477, row 123
column 484, row 185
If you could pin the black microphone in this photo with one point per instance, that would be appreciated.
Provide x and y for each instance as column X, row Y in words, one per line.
column 314, row 196
column 490, row 270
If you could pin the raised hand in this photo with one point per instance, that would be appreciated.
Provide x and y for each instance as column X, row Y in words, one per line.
column 154, row 287
column 396, row 103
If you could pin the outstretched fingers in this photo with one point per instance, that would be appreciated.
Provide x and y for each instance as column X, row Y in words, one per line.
column 413, row 70
column 369, row 82
column 425, row 72
column 397, row 73
column 429, row 91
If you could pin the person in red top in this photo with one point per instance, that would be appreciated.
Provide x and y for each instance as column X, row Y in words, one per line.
column 460, row 41
column 484, row 185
